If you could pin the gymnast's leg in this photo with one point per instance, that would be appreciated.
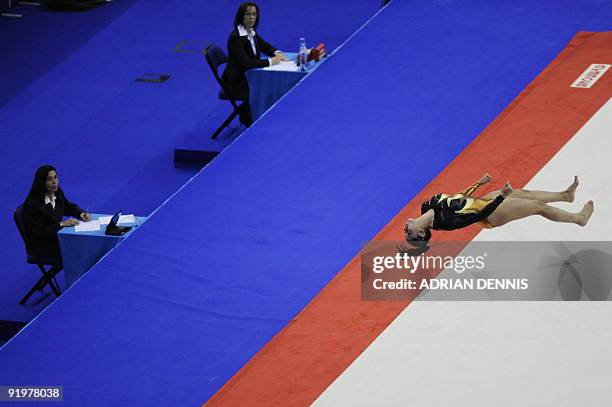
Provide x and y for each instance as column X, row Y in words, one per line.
column 518, row 208
column 543, row 196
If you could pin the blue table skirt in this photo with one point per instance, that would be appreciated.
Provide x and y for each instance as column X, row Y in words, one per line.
column 267, row 87
column 80, row 251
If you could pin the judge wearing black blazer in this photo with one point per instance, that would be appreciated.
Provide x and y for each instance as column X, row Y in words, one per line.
column 244, row 48
column 44, row 209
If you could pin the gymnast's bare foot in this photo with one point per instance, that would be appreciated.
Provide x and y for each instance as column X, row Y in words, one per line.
column 570, row 192
column 585, row 214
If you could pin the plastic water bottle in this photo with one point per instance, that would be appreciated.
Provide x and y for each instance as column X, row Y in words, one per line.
column 303, row 55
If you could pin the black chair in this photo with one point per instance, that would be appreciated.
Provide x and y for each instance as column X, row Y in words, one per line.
column 48, row 275
column 215, row 58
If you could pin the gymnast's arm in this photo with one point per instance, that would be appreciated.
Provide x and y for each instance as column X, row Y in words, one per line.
column 486, row 178
column 461, row 221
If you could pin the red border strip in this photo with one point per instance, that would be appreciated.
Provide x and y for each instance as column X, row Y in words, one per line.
column 304, row 358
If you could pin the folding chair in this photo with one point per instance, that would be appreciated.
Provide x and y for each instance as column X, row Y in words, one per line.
column 48, row 275
column 215, row 58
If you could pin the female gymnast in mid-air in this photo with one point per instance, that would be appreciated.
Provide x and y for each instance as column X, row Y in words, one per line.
column 450, row 212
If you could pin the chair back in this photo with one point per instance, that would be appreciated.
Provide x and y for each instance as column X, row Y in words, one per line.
column 215, row 58
column 18, row 217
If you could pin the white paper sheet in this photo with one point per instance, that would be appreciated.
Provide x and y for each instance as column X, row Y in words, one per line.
column 91, row 226
column 123, row 219
column 288, row 66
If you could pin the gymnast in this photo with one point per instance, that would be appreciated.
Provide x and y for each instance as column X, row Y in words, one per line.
column 450, row 212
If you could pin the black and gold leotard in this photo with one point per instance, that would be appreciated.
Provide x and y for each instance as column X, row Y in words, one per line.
column 460, row 210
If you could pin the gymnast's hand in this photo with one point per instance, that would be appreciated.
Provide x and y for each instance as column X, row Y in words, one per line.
column 485, row 179
column 506, row 190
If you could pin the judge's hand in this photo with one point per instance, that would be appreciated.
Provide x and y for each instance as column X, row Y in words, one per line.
column 69, row 222
column 506, row 190
column 283, row 56
column 485, row 179
column 85, row 216
column 275, row 60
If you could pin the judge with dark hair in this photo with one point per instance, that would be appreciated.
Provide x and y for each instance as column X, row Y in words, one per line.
column 244, row 49
column 44, row 209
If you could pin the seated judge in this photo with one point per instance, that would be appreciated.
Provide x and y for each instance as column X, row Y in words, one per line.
column 244, row 48
column 44, row 210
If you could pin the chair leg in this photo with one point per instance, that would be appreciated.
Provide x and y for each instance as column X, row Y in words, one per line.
column 48, row 278
column 225, row 124
column 57, row 287
column 32, row 291
column 54, row 287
